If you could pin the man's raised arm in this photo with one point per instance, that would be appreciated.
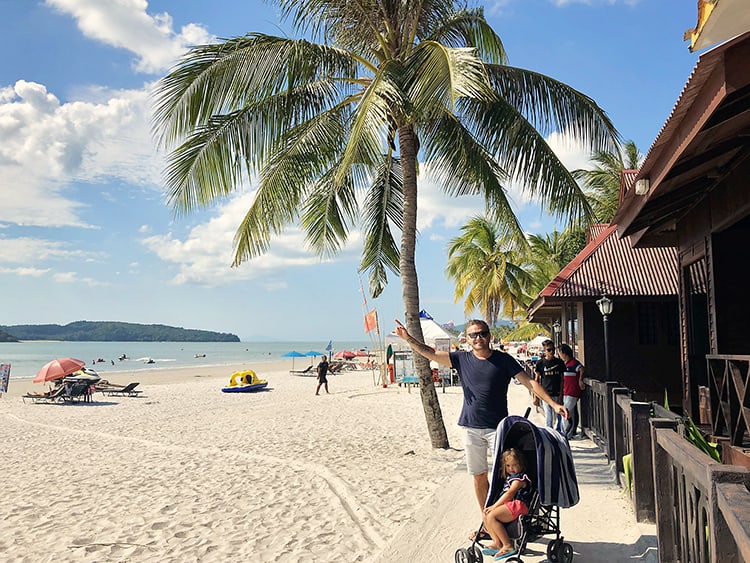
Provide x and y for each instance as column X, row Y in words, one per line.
column 439, row 356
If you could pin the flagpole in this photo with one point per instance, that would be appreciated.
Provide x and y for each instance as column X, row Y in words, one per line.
column 376, row 341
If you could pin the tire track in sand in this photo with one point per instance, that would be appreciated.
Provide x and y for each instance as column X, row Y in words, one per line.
column 336, row 484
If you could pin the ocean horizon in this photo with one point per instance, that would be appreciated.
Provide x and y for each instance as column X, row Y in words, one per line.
column 27, row 358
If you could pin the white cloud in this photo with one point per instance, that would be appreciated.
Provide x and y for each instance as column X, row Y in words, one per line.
column 30, row 272
column 205, row 255
column 435, row 208
column 126, row 24
column 75, row 278
column 46, row 145
column 25, row 250
column 572, row 153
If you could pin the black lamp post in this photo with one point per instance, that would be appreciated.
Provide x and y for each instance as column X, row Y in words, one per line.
column 557, row 329
column 605, row 308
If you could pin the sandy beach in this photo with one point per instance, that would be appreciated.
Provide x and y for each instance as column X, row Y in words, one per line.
column 187, row 473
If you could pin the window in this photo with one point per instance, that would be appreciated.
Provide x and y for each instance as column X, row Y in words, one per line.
column 648, row 323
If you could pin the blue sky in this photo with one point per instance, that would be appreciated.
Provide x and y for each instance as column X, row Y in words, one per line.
column 86, row 234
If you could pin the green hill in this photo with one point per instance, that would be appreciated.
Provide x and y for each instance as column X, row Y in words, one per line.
column 110, row 331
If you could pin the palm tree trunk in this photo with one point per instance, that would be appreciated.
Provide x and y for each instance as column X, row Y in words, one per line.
column 410, row 287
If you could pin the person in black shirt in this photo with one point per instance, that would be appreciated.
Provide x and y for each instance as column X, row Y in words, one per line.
column 485, row 374
column 549, row 373
column 322, row 375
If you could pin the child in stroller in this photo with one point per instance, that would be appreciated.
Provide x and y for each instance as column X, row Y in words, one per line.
column 549, row 467
column 513, row 502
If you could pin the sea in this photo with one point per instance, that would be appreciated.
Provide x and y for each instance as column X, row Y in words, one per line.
column 27, row 358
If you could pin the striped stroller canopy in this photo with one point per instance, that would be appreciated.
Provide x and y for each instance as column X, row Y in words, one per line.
column 549, row 462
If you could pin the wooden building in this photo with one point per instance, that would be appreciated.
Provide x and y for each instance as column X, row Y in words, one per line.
column 642, row 330
column 692, row 193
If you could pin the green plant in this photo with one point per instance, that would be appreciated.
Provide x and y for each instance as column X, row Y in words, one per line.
column 696, row 437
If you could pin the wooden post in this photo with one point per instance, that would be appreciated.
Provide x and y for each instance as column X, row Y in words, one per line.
column 643, row 469
column 619, row 416
column 609, row 418
column 725, row 544
column 666, row 519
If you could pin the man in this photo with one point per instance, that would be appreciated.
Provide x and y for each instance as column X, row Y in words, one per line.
column 549, row 373
column 485, row 375
column 322, row 375
column 573, row 385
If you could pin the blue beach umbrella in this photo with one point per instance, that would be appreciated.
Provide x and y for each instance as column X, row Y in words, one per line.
column 314, row 353
column 293, row 354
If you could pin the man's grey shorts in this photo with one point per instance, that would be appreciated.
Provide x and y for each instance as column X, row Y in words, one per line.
column 477, row 442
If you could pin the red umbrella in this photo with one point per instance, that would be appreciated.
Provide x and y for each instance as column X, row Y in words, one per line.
column 344, row 355
column 58, row 368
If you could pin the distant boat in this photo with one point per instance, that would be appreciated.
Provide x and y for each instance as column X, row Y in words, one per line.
column 200, row 355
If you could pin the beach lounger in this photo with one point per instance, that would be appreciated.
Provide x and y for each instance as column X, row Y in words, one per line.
column 54, row 396
column 128, row 391
column 77, row 392
column 307, row 371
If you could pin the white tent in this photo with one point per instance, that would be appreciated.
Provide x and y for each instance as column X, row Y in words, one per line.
column 430, row 330
column 536, row 342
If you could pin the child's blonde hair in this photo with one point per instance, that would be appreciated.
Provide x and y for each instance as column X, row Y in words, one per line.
column 512, row 454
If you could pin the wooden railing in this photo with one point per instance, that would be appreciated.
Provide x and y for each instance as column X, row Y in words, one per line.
column 728, row 378
column 597, row 414
column 702, row 506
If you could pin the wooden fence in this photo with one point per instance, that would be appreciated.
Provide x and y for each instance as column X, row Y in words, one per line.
column 701, row 507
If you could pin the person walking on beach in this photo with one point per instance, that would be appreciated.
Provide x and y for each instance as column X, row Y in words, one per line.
column 549, row 373
column 573, row 385
column 322, row 375
column 485, row 375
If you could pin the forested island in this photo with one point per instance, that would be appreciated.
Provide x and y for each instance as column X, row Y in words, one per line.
column 111, row 331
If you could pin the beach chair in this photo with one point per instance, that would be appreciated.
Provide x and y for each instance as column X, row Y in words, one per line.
column 77, row 392
column 128, row 391
column 307, row 371
column 54, row 396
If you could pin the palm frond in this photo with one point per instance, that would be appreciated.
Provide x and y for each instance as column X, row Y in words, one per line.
column 218, row 78
column 550, row 105
column 383, row 209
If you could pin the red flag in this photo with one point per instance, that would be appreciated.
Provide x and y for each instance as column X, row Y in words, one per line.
column 371, row 320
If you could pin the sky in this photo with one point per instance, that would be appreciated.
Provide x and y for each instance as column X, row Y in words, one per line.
column 86, row 232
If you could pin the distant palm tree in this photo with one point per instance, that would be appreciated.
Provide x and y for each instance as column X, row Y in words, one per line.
column 603, row 181
column 486, row 267
column 547, row 256
column 321, row 123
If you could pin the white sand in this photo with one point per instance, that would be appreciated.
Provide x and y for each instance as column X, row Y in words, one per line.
column 187, row 473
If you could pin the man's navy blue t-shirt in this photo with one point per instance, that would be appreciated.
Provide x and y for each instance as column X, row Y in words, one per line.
column 485, row 385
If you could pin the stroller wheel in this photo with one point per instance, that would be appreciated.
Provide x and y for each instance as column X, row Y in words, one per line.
column 565, row 553
column 463, row 555
column 478, row 558
column 553, row 551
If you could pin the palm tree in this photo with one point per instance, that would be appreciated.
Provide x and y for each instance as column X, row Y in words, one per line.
column 392, row 82
column 603, row 181
column 548, row 255
column 487, row 269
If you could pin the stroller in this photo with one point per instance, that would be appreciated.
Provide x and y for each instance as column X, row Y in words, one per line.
column 549, row 465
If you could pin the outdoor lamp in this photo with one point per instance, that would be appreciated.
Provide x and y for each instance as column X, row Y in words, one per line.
column 605, row 308
column 605, row 305
column 557, row 329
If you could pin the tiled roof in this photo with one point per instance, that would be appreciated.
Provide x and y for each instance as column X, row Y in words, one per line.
column 610, row 265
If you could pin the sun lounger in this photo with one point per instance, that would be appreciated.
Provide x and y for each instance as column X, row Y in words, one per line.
column 307, row 371
column 128, row 391
column 54, row 396
column 80, row 391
